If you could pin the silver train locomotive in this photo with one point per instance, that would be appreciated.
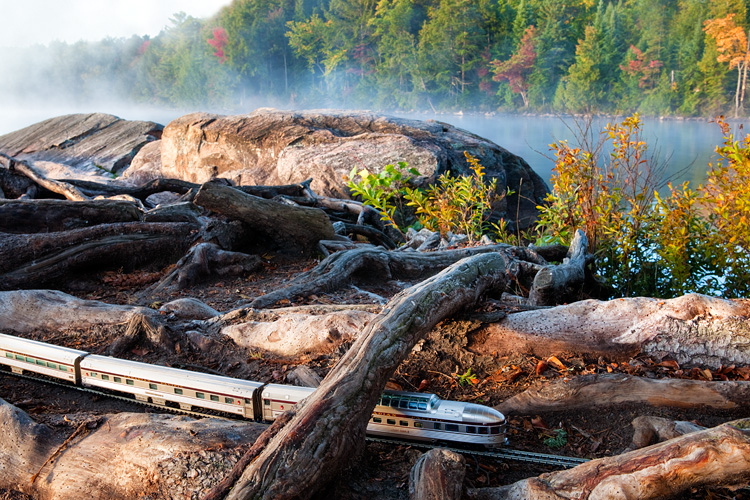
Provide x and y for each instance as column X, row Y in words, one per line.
column 400, row 415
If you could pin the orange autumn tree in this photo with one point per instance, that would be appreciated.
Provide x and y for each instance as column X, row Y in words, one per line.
column 731, row 43
column 517, row 69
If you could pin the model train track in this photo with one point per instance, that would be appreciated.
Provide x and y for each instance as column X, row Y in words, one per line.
column 499, row 453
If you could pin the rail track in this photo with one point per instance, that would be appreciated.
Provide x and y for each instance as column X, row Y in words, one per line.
column 498, row 453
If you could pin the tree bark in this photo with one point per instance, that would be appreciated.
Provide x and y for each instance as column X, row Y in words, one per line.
column 31, row 260
column 437, row 475
column 715, row 457
column 338, row 269
column 44, row 216
column 330, row 425
column 289, row 228
column 559, row 284
column 62, row 188
column 591, row 391
column 693, row 329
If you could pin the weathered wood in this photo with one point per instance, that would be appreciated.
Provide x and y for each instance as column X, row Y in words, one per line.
column 68, row 191
column 28, row 261
column 592, row 391
column 437, row 475
column 715, row 457
column 559, row 284
column 338, row 269
column 694, row 330
column 648, row 430
column 126, row 456
column 330, row 425
column 43, row 216
column 288, row 228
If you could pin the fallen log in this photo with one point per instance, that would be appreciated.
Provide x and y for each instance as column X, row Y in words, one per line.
column 44, row 216
column 339, row 269
column 31, row 260
column 592, row 391
column 62, row 188
column 330, row 425
column 182, row 455
column 562, row 283
column 715, row 457
column 287, row 228
column 648, row 430
column 694, row 330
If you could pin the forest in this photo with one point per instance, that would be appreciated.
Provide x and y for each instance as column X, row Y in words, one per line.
column 655, row 57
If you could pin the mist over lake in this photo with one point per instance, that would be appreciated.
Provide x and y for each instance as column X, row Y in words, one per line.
column 686, row 146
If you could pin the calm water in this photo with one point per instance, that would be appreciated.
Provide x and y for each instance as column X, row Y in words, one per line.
column 686, row 146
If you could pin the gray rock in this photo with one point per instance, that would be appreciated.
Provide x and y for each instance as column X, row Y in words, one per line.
column 281, row 147
column 189, row 308
column 95, row 146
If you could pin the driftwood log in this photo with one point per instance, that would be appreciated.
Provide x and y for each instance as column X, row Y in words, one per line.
column 31, row 260
column 330, row 425
column 718, row 457
column 591, row 391
column 291, row 228
column 558, row 284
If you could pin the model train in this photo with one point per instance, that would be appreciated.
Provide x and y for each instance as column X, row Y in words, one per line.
column 403, row 415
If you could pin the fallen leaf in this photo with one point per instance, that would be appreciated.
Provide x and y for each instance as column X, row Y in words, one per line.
column 541, row 367
column 423, row 385
column 539, row 422
column 671, row 364
column 552, row 360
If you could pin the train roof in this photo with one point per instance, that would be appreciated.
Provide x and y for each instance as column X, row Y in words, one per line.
column 40, row 349
column 286, row 392
column 173, row 376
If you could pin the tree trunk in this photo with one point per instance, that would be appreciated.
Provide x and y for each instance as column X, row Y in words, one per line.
column 31, row 260
column 437, row 475
column 330, row 425
column 715, row 457
column 288, row 228
column 591, row 391
column 62, row 188
column 45, row 216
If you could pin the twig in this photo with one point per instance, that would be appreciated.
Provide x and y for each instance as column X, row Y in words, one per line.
column 85, row 426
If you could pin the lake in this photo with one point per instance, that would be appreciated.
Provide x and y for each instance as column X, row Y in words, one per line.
column 686, row 146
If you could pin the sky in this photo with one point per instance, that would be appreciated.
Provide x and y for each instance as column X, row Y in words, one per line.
column 27, row 22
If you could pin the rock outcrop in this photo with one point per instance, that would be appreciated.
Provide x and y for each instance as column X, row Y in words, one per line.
column 94, row 146
column 281, row 147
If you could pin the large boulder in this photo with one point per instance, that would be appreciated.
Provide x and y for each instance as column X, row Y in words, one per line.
column 94, row 146
column 279, row 147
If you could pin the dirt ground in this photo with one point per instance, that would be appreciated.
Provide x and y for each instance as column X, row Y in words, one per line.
column 440, row 364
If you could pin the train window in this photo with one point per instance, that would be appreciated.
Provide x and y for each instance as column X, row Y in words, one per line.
column 51, row 365
column 404, row 423
column 451, row 427
column 495, row 430
column 62, row 368
column 422, row 406
column 214, row 398
column 93, row 374
column 152, row 386
column 40, row 362
column 19, row 357
column 267, row 402
column 247, row 401
column 8, row 355
column 105, row 377
column 377, row 420
column 418, row 425
column 177, row 391
column 118, row 380
column 437, row 425
column 404, row 404
column 394, row 403
column 29, row 360
column 412, row 405
column 129, row 382
column 482, row 430
column 229, row 400
column 471, row 429
column 386, row 400
column 390, row 421
column 200, row 395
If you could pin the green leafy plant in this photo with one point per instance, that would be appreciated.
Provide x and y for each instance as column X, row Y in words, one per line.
column 557, row 441
column 383, row 191
column 467, row 378
column 457, row 204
